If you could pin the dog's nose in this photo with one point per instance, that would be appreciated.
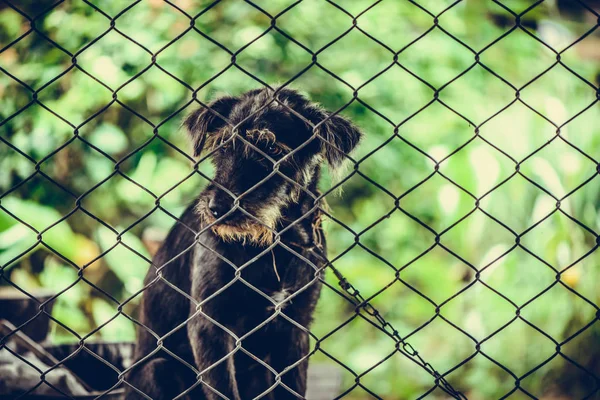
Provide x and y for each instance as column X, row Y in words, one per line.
column 218, row 207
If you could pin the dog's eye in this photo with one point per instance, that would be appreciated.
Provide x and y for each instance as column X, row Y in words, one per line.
column 274, row 149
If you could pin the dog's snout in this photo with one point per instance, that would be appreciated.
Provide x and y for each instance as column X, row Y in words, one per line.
column 220, row 205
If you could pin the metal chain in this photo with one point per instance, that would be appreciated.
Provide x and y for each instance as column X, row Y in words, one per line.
column 360, row 303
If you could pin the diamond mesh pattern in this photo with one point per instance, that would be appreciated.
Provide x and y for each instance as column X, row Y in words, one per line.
column 275, row 23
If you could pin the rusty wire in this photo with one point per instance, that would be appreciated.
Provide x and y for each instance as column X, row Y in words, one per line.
column 363, row 307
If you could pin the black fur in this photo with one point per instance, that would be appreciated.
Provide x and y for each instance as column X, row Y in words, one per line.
column 203, row 265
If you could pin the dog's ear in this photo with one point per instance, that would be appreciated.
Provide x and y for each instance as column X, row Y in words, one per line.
column 341, row 136
column 207, row 120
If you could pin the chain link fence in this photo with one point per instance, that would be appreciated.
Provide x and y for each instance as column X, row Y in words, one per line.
column 59, row 173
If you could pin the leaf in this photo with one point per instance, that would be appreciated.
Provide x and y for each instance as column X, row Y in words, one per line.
column 546, row 172
column 60, row 237
column 13, row 235
column 57, row 277
column 127, row 266
column 109, row 138
column 119, row 329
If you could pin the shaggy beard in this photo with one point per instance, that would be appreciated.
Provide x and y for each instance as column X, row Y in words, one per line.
column 249, row 231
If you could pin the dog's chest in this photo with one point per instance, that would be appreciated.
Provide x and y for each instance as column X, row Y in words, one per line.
column 280, row 297
column 283, row 279
column 273, row 281
column 281, row 289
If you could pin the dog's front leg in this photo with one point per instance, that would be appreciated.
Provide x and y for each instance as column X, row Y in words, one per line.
column 159, row 378
column 210, row 345
column 286, row 353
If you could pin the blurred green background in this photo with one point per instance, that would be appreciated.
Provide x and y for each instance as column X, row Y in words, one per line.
column 428, row 131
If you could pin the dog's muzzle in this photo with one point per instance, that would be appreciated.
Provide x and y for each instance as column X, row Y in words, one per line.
column 236, row 226
column 219, row 206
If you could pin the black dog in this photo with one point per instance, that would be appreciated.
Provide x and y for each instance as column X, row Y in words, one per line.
column 243, row 327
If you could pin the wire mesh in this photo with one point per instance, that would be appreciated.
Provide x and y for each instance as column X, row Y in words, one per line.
column 363, row 307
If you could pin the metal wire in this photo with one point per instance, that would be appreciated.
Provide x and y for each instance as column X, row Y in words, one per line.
column 363, row 306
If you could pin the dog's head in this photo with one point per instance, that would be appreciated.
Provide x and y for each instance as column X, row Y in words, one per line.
column 246, row 136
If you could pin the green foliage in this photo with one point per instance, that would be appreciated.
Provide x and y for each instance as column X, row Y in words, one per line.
column 91, row 131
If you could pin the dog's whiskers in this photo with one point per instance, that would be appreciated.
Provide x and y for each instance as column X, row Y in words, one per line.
column 275, row 266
